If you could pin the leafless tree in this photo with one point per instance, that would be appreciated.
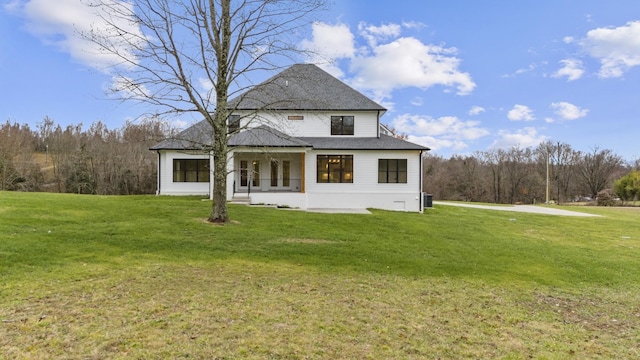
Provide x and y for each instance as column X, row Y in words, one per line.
column 495, row 160
column 562, row 162
column 168, row 48
column 17, row 168
column 598, row 168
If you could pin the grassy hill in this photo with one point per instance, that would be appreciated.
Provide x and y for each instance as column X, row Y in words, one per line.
column 146, row 277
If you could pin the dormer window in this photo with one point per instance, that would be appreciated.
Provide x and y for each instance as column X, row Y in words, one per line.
column 342, row 125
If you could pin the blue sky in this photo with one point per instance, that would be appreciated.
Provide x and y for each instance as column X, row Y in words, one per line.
column 457, row 76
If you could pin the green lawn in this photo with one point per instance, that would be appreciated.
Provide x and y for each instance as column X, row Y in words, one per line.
column 92, row 277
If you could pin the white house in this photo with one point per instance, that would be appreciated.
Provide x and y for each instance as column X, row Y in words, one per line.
column 301, row 139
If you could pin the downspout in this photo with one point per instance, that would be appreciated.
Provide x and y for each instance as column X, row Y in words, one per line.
column 211, row 179
column 420, row 189
column 378, row 127
column 158, row 174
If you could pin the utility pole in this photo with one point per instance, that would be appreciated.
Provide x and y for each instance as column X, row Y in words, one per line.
column 547, row 192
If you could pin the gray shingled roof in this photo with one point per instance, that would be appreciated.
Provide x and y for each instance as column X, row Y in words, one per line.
column 265, row 136
column 384, row 142
column 303, row 87
column 300, row 87
column 195, row 137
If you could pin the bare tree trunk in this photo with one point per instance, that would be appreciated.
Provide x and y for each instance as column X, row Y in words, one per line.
column 164, row 50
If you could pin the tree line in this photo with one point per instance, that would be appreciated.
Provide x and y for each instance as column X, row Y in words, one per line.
column 95, row 160
column 98, row 160
column 552, row 171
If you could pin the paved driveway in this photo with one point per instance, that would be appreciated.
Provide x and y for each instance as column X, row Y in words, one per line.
column 520, row 208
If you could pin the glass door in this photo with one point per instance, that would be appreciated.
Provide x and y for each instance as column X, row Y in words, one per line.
column 274, row 173
column 249, row 173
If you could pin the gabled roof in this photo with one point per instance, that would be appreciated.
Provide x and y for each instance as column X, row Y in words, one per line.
column 303, row 87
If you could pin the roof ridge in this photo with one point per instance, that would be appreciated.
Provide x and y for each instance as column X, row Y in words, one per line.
column 303, row 87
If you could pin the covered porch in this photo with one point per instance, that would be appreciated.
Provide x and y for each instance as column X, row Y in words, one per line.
column 273, row 178
column 259, row 172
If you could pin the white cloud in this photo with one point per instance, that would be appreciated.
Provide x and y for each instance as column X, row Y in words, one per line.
column 435, row 144
column 521, row 71
column 572, row 69
column 568, row 111
column 529, row 68
column 520, row 113
column 476, row 110
column 618, row 49
column 415, row 64
column 417, row 101
column 128, row 88
column 373, row 34
column 413, row 25
column 443, row 132
column 205, row 84
column 330, row 43
column 57, row 23
column 179, row 124
column 527, row 137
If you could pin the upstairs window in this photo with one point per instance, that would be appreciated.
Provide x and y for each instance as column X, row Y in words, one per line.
column 342, row 125
column 335, row 168
column 392, row 171
column 233, row 124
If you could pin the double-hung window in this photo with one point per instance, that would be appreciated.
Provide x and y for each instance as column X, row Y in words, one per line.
column 392, row 171
column 342, row 125
column 335, row 169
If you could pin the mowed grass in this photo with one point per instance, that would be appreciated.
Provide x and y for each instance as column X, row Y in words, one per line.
column 91, row 277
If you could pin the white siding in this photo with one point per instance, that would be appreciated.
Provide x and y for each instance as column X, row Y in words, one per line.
column 365, row 191
column 166, row 184
column 314, row 124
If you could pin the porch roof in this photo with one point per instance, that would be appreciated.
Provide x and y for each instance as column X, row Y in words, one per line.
column 384, row 142
column 197, row 137
column 265, row 136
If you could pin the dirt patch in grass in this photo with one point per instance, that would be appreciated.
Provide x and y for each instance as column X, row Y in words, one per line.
column 305, row 241
column 206, row 221
column 593, row 313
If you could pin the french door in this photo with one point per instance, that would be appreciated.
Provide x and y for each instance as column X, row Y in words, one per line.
column 249, row 173
column 280, row 174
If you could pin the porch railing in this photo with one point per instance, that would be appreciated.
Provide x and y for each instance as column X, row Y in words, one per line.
column 265, row 185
